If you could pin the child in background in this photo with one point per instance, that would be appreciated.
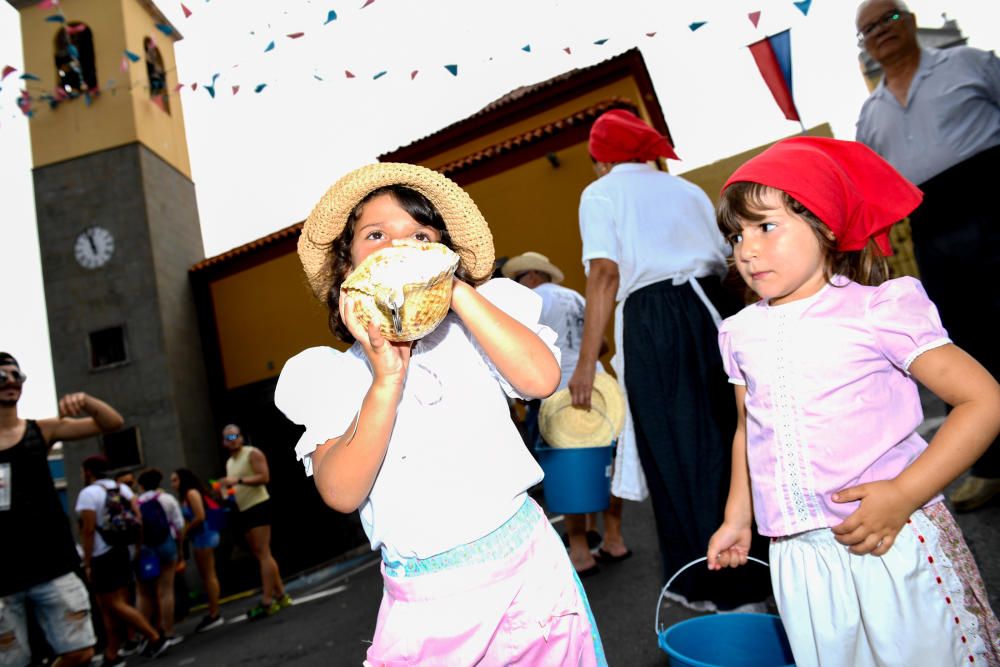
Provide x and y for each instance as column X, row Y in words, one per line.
column 868, row 566
column 419, row 437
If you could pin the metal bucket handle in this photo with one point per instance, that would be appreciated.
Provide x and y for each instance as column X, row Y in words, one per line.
column 659, row 600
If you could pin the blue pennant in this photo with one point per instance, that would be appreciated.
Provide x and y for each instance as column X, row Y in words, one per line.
column 600, row 42
column 526, row 48
column 453, row 69
column 29, row 77
column 697, row 24
column 803, row 6
column 270, row 47
column 260, row 87
column 56, row 18
column 380, row 75
column 330, row 16
column 165, row 29
column 131, row 56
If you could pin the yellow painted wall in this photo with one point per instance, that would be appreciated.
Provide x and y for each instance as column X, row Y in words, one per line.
column 625, row 87
column 115, row 117
column 265, row 315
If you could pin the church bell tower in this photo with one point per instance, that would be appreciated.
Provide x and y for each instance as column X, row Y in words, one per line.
column 118, row 226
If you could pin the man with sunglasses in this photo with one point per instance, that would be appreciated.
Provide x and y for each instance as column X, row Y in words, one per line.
column 38, row 560
column 935, row 117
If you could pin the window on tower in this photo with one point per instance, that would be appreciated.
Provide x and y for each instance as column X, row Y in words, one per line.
column 107, row 348
column 75, row 60
column 157, row 74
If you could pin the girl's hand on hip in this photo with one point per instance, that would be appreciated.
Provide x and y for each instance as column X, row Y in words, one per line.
column 389, row 360
column 729, row 546
column 872, row 528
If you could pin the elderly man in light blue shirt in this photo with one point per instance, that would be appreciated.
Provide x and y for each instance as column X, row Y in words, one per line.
column 936, row 118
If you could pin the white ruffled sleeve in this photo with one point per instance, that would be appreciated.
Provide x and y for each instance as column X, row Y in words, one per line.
column 733, row 371
column 525, row 306
column 321, row 389
column 905, row 322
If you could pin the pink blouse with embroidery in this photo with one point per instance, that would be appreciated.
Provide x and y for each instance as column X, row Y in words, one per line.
column 829, row 401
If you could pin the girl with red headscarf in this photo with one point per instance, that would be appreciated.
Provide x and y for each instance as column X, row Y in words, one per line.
column 868, row 565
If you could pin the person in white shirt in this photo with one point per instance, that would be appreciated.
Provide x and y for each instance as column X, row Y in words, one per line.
column 156, row 595
column 650, row 243
column 109, row 568
column 418, row 437
column 563, row 312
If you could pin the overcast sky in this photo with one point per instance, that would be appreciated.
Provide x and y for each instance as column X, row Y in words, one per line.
column 260, row 161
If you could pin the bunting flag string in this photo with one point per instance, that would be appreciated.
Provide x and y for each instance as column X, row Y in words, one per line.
column 772, row 55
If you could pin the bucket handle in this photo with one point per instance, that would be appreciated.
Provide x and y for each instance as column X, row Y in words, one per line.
column 659, row 600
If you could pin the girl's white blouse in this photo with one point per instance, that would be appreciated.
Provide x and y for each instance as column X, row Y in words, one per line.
column 456, row 467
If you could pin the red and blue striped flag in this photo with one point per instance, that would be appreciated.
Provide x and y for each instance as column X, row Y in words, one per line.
column 774, row 60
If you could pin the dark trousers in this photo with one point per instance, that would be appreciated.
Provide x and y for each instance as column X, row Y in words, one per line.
column 684, row 413
column 956, row 241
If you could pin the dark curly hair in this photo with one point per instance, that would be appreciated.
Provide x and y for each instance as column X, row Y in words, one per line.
column 744, row 201
column 339, row 263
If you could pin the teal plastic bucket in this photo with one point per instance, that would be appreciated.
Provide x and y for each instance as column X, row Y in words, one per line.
column 728, row 640
column 577, row 480
column 724, row 640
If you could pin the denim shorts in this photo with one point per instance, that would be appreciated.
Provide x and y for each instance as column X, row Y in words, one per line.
column 206, row 539
column 62, row 609
column 167, row 552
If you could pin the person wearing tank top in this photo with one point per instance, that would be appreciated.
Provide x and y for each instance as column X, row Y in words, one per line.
column 40, row 568
column 247, row 475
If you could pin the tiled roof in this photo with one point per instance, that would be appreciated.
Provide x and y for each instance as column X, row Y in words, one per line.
column 247, row 248
column 584, row 116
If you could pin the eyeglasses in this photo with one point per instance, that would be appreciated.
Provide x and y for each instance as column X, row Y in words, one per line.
column 230, row 436
column 15, row 376
column 886, row 19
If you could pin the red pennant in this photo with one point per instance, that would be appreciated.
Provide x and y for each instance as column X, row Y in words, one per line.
column 367, row 2
column 348, row 74
column 754, row 18
column 187, row 12
column 294, row 35
column 75, row 29
column 650, row 34
column 178, row 87
column 413, row 74
column 236, row 89
column 194, row 86
column 567, row 50
column 7, row 69
column 158, row 101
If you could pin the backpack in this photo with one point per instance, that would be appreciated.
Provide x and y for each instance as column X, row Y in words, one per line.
column 155, row 526
column 119, row 526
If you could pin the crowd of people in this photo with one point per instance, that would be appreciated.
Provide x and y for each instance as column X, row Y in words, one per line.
column 782, row 426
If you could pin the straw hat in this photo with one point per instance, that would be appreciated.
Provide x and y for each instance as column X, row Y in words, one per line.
column 562, row 425
column 531, row 261
column 466, row 225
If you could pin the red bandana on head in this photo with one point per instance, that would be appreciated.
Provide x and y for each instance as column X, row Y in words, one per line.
column 621, row 136
column 856, row 193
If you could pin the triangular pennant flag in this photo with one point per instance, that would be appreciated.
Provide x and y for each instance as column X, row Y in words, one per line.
column 187, row 12
column 236, row 89
column 7, row 69
column 47, row 4
column 194, row 86
column 158, row 101
column 124, row 66
column 650, row 34
column 76, row 29
column 178, row 87
column 754, row 18
column 367, row 2
column 526, row 48
column 413, row 74
column 330, row 16
column 260, row 87
column 453, row 69
column 131, row 56
column 600, row 42
column 167, row 30
column 270, row 47
column 317, row 77
column 56, row 18
column 29, row 77
column 380, row 74
column 348, row 74
column 697, row 24
column 568, row 51
column 803, row 6
column 294, row 35
column 211, row 90
column 73, row 51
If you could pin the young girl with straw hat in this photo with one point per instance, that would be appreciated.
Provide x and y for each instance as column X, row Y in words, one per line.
column 417, row 435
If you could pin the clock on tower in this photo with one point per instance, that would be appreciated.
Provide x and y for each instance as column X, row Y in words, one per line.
column 118, row 229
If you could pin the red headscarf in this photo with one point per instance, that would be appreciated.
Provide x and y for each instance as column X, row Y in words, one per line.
column 621, row 136
column 852, row 190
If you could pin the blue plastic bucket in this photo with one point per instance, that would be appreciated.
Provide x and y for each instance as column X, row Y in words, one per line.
column 577, row 480
column 728, row 640
column 724, row 640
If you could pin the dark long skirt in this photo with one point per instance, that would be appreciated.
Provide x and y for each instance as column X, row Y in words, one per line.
column 685, row 417
column 956, row 237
